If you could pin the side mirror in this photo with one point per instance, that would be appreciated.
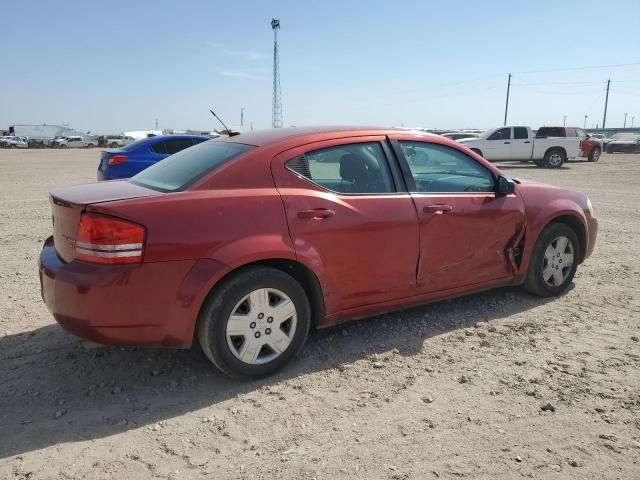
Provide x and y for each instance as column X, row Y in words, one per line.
column 506, row 185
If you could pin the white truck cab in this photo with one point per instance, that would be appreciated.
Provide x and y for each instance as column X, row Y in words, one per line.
column 518, row 143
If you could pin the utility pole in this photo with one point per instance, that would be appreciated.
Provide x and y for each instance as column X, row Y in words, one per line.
column 156, row 124
column 584, row 125
column 564, row 122
column 506, row 107
column 625, row 120
column 252, row 126
column 276, row 113
column 241, row 116
column 606, row 102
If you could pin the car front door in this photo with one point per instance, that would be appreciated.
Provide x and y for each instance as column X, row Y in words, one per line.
column 466, row 228
column 521, row 146
column 498, row 145
column 350, row 219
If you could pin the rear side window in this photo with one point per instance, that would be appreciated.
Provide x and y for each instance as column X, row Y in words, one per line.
column 178, row 171
column 130, row 147
column 520, row 133
column 160, row 147
column 357, row 168
column 440, row 169
column 174, row 145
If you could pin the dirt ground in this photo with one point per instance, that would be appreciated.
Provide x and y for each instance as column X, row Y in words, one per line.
column 450, row 390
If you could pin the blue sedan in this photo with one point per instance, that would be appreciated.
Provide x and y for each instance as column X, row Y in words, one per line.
column 131, row 159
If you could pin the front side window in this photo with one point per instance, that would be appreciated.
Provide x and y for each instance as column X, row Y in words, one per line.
column 357, row 168
column 501, row 134
column 439, row 169
column 178, row 171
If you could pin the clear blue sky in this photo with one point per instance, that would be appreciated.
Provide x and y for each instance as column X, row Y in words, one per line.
column 119, row 65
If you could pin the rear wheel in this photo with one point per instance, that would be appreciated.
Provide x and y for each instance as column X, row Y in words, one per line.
column 594, row 156
column 554, row 261
column 253, row 323
column 554, row 158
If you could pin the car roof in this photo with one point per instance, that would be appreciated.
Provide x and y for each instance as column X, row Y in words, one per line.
column 263, row 137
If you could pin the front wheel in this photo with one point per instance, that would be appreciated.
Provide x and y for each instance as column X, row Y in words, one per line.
column 554, row 158
column 594, row 156
column 554, row 261
column 254, row 322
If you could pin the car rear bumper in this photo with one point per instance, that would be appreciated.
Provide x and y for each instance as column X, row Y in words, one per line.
column 148, row 304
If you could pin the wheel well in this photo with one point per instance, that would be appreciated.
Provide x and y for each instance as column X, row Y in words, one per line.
column 477, row 150
column 303, row 275
column 556, row 148
column 576, row 225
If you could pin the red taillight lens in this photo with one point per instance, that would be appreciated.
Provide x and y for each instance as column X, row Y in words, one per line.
column 118, row 159
column 103, row 239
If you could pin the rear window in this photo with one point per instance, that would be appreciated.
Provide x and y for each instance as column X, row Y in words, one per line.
column 178, row 171
column 550, row 132
column 130, row 147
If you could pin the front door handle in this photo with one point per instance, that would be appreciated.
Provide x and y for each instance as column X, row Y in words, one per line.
column 316, row 213
column 437, row 209
column 507, row 143
column 527, row 141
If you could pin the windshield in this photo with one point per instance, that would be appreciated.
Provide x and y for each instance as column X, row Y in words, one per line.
column 181, row 169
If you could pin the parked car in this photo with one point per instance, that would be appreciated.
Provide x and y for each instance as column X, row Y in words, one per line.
column 131, row 159
column 603, row 138
column 76, row 142
column 590, row 146
column 624, row 143
column 115, row 141
column 15, row 142
column 246, row 242
column 4, row 139
column 459, row 135
column 518, row 143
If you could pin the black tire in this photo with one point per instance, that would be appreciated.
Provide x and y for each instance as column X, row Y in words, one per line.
column 217, row 308
column 535, row 282
column 594, row 156
column 554, row 158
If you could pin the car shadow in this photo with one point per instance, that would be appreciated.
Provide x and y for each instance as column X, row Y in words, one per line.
column 55, row 391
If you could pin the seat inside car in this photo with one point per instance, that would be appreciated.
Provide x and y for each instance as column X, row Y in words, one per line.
column 361, row 176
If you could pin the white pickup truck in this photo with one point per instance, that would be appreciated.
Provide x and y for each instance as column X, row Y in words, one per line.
column 519, row 143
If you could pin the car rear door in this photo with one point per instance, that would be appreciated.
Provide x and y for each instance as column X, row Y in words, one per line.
column 521, row 146
column 350, row 219
column 466, row 228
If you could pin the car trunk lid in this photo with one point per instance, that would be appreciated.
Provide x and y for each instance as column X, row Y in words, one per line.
column 67, row 205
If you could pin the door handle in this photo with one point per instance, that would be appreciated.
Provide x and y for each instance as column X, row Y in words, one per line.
column 527, row 141
column 316, row 213
column 437, row 209
column 507, row 143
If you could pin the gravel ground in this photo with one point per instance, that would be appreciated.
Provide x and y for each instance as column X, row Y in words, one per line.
column 494, row 385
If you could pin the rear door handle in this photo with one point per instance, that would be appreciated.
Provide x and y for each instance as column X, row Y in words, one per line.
column 316, row 213
column 507, row 143
column 437, row 209
column 527, row 141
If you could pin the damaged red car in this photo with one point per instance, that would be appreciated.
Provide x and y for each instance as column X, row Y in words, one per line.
column 244, row 243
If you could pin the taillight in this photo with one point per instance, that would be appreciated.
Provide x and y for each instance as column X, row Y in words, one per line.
column 118, row 159
column 103, row 239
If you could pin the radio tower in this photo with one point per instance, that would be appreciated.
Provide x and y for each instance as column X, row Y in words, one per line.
column 277, row 94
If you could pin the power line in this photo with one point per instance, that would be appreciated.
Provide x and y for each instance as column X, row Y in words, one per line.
column 591, row 67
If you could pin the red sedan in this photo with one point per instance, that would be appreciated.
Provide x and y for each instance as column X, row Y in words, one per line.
column 247, row 242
